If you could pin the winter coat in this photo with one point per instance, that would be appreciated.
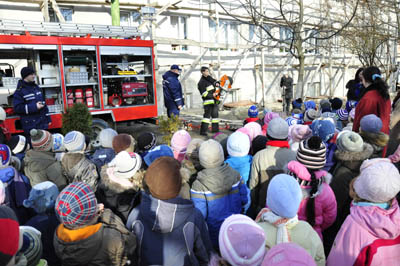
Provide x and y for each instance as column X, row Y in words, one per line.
column 206, row 87
column 80, row 169
column 24, row 101
column 266, row 164
column 373, row 103
column 378, row 141
column 5, row 134
column 172, row 90
column 102, row 157
column 17, row 189
column 330, row 154
column 242, row 165
column 369, row 236
column 394, row 137
column 116, row 193
column 169, row 232
column 302, row 234
column 47, row 225
column 287, row 83
column 324, row 205
column 354, row 90
column 42, row 166
column 251, row 119
column 106, row 243
column 347, row 168
column 218, row 193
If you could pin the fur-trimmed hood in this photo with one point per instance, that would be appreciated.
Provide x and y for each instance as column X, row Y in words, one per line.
column 353, row 160
column 120, row 185
column 379, row 139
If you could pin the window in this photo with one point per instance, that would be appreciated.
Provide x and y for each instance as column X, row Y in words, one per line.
column 179, row 31
column 65, row 11
column 130, row 19
column 311, row 45
column 285, row 37
column 228, row 31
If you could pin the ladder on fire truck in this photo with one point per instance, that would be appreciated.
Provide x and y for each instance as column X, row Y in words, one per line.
column 19, row 27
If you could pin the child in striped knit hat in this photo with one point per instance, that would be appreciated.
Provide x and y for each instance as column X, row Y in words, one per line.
column 318, row 206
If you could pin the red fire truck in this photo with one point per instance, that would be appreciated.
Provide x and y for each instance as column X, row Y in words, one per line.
column 111, row 69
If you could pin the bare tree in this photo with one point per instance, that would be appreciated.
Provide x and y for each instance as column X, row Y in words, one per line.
column 302, row 22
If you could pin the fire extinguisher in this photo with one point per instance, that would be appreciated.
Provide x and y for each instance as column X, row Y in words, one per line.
column 89, row 97
column 70, row 98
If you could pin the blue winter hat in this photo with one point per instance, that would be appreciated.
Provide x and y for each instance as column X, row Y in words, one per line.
column 42, row 197
column 324, row 129
column 310, row 105
column 253, row 111
column 291, row 121
column 284, row 196
column 342, row 114
column 157, row 152
column 175, row 67
column 350, row 105
column 297, row 104
column 371, row 123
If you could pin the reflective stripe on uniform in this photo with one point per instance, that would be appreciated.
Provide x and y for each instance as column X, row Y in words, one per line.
column 177, row 100
column 207, row 102
column 215, row 121
column 29, row 95
column 206, row 121
column 204, row 94
column 210, row 88
column 26, row 108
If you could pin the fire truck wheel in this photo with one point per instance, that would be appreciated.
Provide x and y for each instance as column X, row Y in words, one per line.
column 97, row 126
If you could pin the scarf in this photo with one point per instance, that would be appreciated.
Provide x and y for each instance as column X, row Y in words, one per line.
column 282, row 224
column 278, row 143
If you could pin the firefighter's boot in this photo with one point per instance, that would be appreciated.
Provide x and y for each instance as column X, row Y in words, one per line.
column 204, row 128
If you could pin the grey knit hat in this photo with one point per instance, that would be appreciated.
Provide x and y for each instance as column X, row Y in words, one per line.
column 211, row 154
column 278, row 129
column 349, row 141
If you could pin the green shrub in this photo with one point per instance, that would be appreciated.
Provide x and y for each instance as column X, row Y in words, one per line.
column 77, row 118
column 168, row 126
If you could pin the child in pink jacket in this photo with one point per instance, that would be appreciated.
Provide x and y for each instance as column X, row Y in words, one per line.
column 318, row 206
column 370, row 235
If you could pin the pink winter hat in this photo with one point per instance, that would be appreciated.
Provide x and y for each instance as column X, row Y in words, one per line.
column 254, row 128
column 298, row 133
column 179, row 143
column 245, row 130
column 288, row 254
column 378, row 182
column 241, row 241
column 269, row 116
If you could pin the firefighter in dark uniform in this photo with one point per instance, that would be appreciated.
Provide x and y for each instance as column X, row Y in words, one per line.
column 207, row 88
column 29, row 103
column 287, row 92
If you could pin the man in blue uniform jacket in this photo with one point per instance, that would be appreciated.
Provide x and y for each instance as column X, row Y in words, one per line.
column 172, row 88
column 29, row 103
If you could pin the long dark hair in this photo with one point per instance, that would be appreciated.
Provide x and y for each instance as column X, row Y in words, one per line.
column 310, row 208
column 373, row 75
column 357, row 77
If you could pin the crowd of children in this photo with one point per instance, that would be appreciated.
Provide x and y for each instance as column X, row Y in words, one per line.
column 302, row 190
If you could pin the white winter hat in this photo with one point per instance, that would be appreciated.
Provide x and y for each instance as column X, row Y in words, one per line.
column 211, row 154
column 379, row 181
column 106, row 137
column 238, row 144
column 74, row 141
column 126, row 164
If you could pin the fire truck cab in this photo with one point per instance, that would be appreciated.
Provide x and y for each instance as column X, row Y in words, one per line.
column 108, row 68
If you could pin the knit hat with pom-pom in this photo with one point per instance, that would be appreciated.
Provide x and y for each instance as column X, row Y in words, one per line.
column 311, row 153
column 41, row 140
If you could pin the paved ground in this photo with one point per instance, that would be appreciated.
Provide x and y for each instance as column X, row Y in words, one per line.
column 235, row 116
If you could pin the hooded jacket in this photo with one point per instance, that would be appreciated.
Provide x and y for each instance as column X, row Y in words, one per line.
column 80, row 169
column 378, row 141
column 369, row 236
column 116, row 193
column 17, row 189
column 169, row 232
column 347, row 168
column 172, row 90
column 218, row 193
column 107, row 243
column 242, row 165
column 324, row 205
column 300, row 233
column 266, row 164
column 42, row 166
column 24, row 101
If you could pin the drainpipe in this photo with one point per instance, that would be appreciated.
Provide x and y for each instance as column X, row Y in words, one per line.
column 115, row 13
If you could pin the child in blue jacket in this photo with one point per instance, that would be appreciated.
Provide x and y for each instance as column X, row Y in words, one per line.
column 219, row 191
